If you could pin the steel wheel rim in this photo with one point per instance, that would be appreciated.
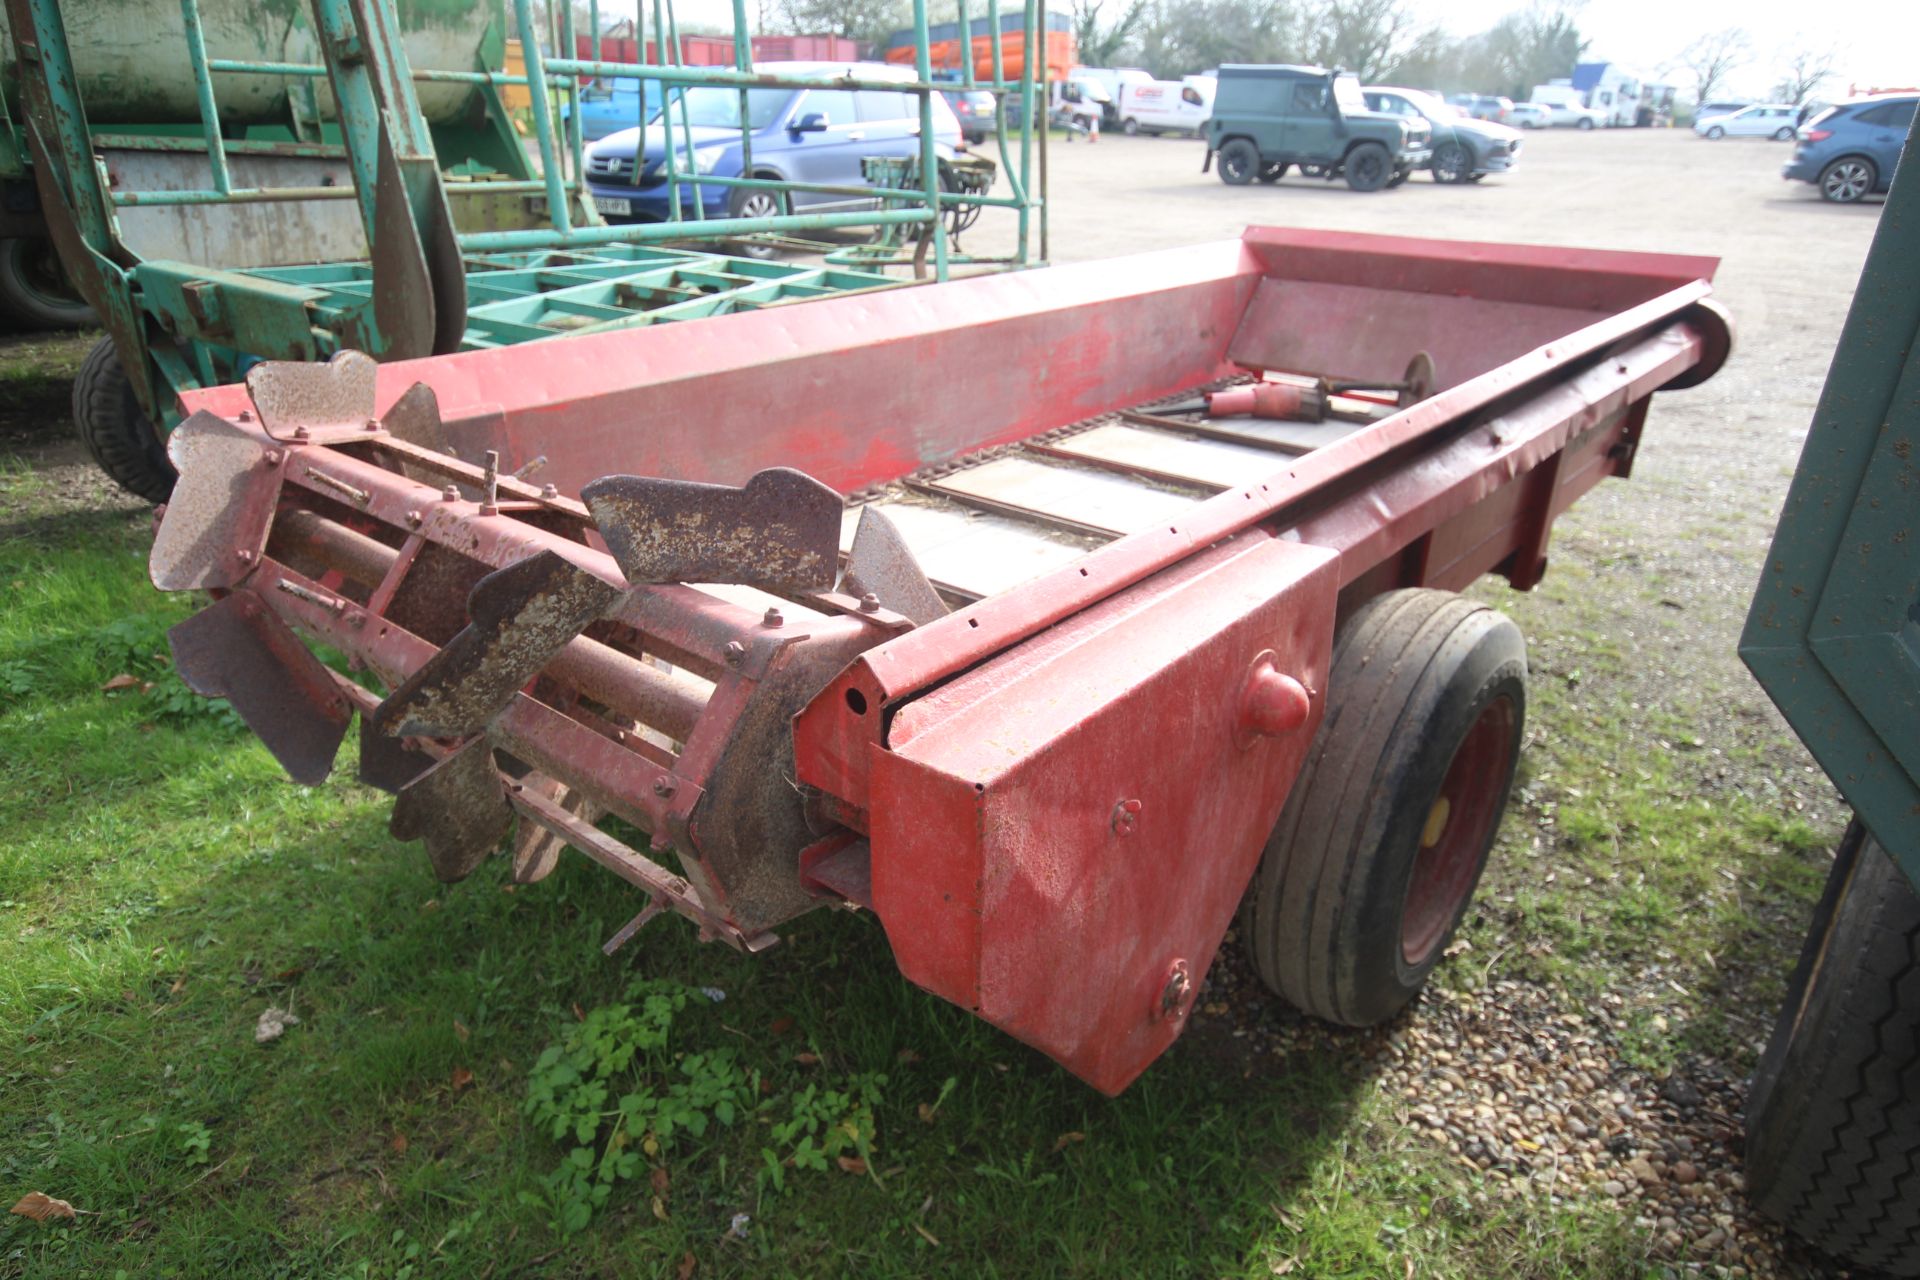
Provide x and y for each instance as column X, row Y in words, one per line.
column 1847, row 182
column 1367, row 166
column 1455, row 832
column 760, row 204
column 1233, row 163
column 1450, row 165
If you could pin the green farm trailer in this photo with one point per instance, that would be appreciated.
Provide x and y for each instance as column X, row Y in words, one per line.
column 351, row 180
column 1833, row 1118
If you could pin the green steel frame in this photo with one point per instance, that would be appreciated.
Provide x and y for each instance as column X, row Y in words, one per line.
column 427, row 288
column 1834, row 631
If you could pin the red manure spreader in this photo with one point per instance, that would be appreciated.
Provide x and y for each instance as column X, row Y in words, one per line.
column 1053, row 617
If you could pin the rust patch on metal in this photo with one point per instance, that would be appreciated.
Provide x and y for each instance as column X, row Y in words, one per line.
column 314, row 403
column 781, row 530
column 217, row 519
column 239, row 649
column 459, row 808
column 523, row 615
column 882, row 565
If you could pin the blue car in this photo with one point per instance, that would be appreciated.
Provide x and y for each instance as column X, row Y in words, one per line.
column 608, row 106
column 798, row 135
column 1849, row 150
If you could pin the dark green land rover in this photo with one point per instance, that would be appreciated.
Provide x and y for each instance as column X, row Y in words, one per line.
column 1266, row 119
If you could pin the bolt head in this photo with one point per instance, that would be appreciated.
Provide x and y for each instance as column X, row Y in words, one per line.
column 451, row 493
column 244, row 556
column 735, row 651
column 869, row 603
column 773, row 617
column 301, row 433
column 246, row 415
column 272, row 457
column 663, row 787
column 549, row 491
column 373, row 424
column 414, row 518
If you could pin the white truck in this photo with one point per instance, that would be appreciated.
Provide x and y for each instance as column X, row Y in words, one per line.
column 1166, row 106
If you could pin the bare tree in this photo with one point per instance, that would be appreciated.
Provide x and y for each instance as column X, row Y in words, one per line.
column 1803, row 71
column 1712, row 56
column 867, row 21
column 1367, row 37
column 1099, row 42
column 1180, row 37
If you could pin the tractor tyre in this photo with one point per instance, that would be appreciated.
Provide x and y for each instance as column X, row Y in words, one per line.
column 1833, row 1117
column 34, row 290
column 116, row 430
column 1384, row 835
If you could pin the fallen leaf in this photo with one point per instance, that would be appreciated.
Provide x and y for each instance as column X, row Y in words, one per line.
column 179, row 985
column 1281, row 1266
column 807, row 1059
column 1066, row 1140
column 908, row 1057
column 853, row 1164
column 272, row 1025
column 927, row 1235
column 579, row 1014
column 288, row 975
column 431, row 904
column 462, row 1078
column 659, row 1208
column 399, row 1144
column 781, row 1026
column 927, row 1113
column 460, row 1030
column 119, row 682
column 688, row 1264
column 40, row 1206
column 659, row 1181
column 650, row 1145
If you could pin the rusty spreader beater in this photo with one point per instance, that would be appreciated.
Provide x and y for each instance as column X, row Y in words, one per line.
column 955, row 604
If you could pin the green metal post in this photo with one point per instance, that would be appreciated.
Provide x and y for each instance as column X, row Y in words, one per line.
column 686, row 128
column 743, row 63
column 203, row 89
column 557, row 205
column 929, row 159
column 667, row 93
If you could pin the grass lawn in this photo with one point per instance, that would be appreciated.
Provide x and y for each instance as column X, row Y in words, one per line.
column 162, row 884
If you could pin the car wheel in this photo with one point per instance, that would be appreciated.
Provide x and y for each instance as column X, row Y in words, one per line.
column 1368, row 167
column 749, row 202
column 1716, row 133
column 1586, row 124
column 1783, row 135
column 1272, row 173
column 1130, row 127
column 1399, row 176
column 1239, row 162
column 1848, row 180
column 116, row 430
column 1451, row 163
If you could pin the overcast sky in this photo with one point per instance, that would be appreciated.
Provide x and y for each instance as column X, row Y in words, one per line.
column 1878, row 40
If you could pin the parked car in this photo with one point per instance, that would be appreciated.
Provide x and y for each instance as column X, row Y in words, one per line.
column 1166, row 106
column 1761, row 120
column 1482, row 106
column 799, row 135
column 1726, row 108
column 1269, row 118
column 1464, row 149
column 1530, row 115
column 974, row 109
column 610, row 105
column 1850, row 149
column 1565, row 110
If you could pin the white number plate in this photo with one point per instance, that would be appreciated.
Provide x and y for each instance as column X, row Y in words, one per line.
column 605, row 204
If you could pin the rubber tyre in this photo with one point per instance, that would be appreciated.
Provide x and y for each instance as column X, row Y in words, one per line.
column 1833, row 1118
column 1272, row 173
column 1358, row 893
column 116, row 430
column 1368, row 167
column 1452, row 163
column 1130, row 127
column 1848, row 180
column 1783, row 135
column 34, row 291
column 747, row 202
column 1716, row 133
column 1586, row 124
column 1399, row 178
column 1238, row 163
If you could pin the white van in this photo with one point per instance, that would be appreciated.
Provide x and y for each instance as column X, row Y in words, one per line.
column 1167, row 106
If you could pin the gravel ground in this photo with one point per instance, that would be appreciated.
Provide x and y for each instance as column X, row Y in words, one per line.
column 1514, row 1080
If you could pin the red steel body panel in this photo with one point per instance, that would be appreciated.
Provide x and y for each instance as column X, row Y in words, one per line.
column 1056, row 831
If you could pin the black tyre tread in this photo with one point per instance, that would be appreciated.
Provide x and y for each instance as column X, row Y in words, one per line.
column 1290, row 917
column 1833, row 1125
column 28, row 305
column 115, row 429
